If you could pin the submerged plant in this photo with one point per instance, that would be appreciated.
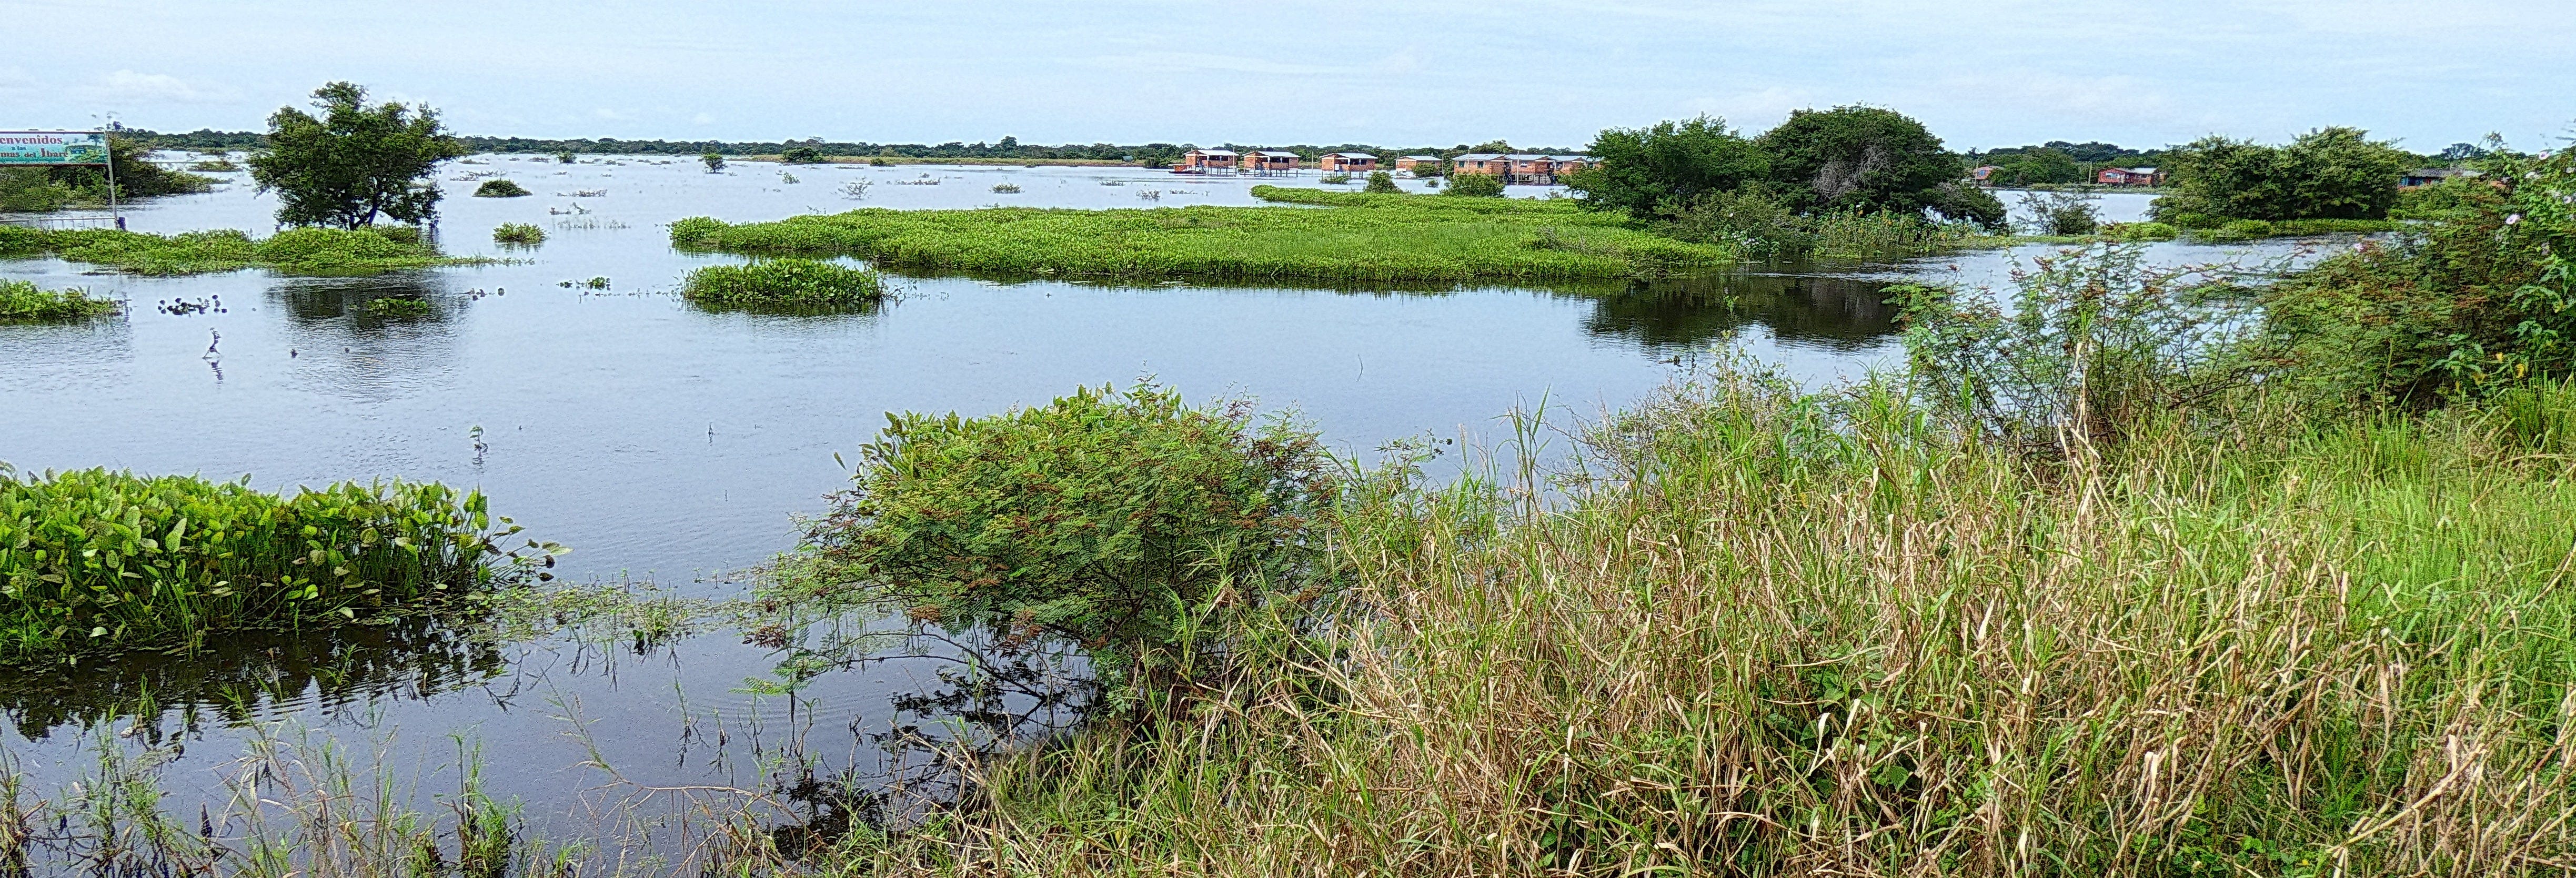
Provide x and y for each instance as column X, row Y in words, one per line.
column 500, row 188
column 783, row 283
column 22, row 302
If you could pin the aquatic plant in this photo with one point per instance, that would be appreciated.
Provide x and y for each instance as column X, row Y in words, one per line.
column 855, row 189
column 1366, row 238
column 311, row 250
column 398, row 307
column 714, row 161
column 1128, row 522
column 782, row 283
column 1007, row 188
column 565, row 157
column 501, row 188
column 523, row 234
column 98, row 560
column 1334, row 179
column 22, row 302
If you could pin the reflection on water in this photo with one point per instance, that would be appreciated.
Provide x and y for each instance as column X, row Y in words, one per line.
column 1835, row 313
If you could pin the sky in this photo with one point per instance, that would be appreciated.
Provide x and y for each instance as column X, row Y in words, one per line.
column 1980, row 73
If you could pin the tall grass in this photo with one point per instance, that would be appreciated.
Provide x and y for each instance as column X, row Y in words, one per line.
column 22, row 302
column 1777, row 633
column 295, row 251
column 1363, row 238
column 93, row 560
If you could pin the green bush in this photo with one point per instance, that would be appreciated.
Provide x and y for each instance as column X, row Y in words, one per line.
column 93, row 559
column 1382, row 183
column 783, row 283
column 523, row 234
column 2140, row 231
column 22, row 302
column 2240, row 230
column 1126, row 523
column 801, row 155
column 501, row 188
column 1475, row 186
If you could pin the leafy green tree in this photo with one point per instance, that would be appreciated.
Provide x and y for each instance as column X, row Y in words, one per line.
column 2036, row 167
column 714, row 160
column 1475, row 185
column 565, row 157
column 1869, row 159
column 355, row 162
column 800, row 155
column 1645, row 171
column 1382, row 183
column 2330, row 173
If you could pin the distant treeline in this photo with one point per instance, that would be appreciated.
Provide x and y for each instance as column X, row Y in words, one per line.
column 1152, row 154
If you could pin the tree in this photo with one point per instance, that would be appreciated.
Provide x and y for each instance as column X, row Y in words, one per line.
column 800, row 155
column 354, row 163
column 2035, row 166
column 714, row 160
column 1475, row 185
column 1867, row 159
column 2330, row 173
column 1382, row 183
column 1647, row 170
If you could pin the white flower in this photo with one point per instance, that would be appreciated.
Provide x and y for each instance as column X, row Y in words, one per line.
column 2513, row 219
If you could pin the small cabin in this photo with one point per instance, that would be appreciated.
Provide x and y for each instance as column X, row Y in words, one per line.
column 2129, row 177
column 1529, row 168
column 1347, row 163
column 1410, row 162
column 1487, row 163
column 1271, row 163
column 2431, row 176
column 1570, row 164
column 1207, row 161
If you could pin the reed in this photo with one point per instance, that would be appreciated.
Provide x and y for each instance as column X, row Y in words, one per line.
column 1364, row 237
column 22, row 302
column 95, row 560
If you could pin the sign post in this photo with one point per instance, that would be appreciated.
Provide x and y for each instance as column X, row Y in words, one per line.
column 62, row 148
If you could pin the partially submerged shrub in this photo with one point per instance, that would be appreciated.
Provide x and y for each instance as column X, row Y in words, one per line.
column 1475, row 185
column 1007, row 188
column 1335, row 179
column 500, row 188
column 1381, row 183
column 783, row 283
column 22, row 302
column 2140, row 231
column 2062, row 213
column 1132, row 524
column 94, row 560
column 525, row 234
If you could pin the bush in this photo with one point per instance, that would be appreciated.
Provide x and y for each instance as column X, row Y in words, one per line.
column 1381, row 183
column 2140, row 231
column 1131, row 524
column 2062, row 213
column 523, row 234
column 697, row 232
column 1475, row 186
column 95, row 560
column 783, row 283
column 2332, row 173
column 22, row 302
column 2240, row 230
column 714, row 161
column 502, row 188
column 1747, row 219
column 801, row 155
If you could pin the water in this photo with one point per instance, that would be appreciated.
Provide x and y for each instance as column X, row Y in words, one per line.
column 669, row 445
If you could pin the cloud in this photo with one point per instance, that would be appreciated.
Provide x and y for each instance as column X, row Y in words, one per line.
column 129, row 87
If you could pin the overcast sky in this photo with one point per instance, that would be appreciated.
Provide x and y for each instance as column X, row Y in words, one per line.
column 1981, row 73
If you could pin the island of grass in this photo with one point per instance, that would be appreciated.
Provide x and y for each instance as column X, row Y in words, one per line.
column 1355, row 237
column 786, row 283
column 294, row 251
column 98, row 561
column 501, row 188
column 22, row 302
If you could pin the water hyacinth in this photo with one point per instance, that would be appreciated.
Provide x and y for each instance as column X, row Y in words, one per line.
column 22, row 302
column 783, row 283
column 96, row 560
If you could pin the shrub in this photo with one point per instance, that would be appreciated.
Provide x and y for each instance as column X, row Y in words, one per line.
column 2062, row 213
column 565, row 157
column 697, row 232
column 501, row 188
column 714, row 161
column 93, row 560
column 1334, row 179
column 22, row 302
column 801, row 155
column 2331, row 173
column 1382, row 183
column 1748, row 219
column 524, row 234
column 1475, row 186
column 2140, row 231
column 1127, row 523
column 783, row 283
column 2240, row 230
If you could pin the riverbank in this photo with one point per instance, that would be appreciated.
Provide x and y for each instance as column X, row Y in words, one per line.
column 1390, row 239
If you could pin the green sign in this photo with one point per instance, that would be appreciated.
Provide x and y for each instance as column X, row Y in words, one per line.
column 53, row 148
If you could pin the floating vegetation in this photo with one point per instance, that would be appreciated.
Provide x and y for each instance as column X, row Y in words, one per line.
column 1007, row 188
column 294, row 251
column 501, row 188
column 217, row 164
column 22, row 302
column 94, row 560
column 1364, row 238
column 783, row 283
column 583, row 193
column 1149, row 194
column 523, row 234
column 1335, row 179
column 854, row 189
column 585, row 223
column 185, row 307
column 923, row 180
column 596, row 283
column 398, row 307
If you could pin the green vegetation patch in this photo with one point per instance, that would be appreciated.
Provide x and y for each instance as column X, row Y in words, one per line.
column 294, row 251
column 783, row 283
column 1365, row 237
column 22, row 302
column 97, row 560
column 523, row 234
column 502, row 188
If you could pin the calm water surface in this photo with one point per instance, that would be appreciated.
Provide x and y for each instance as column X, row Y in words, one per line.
column 669, row 445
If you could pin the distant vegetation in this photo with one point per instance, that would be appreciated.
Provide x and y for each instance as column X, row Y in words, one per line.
column 713, row 160
column 1372, row 238
column 22, row 302
column 2329, row 174
column 294, row 251
column 219, row 164
column 1475, row 186
column 40, row 190
column 1382, row 183
column 354, row 163
column 501, row 188
column 2059, row 163
column 783, row 283
column 518, row 233
column 95, row 560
